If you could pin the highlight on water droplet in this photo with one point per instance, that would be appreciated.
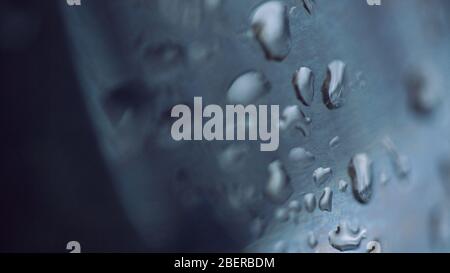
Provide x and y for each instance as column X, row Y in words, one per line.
column 333, row 85
column 270, row 25
column 334, row 142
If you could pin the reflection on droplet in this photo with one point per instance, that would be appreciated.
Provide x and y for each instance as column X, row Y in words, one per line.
column 322, row 175
column 278, row 188
column 312, row 240
column 342, row 185
column 333, row 85
column 360, row 171
column 248, row 88
column 270, row 25
column 303, row 81
column 309, row 201
column 373, row 247
column 301, row 156
column 325, row 201
column 334, row 142
column 400, row 162
column 343, row 238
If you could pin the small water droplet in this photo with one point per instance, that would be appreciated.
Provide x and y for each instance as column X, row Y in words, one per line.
column 233, row 157
column 401, row 162
column 334, row 142
column 384, row 178
column 270, row 25
column 322, row 175
column 326, row 200
column 248, row 87
column 294, row 205
column 309, row 201
column 343, row 238
column 303, row 81
column 333, row 85
column 373, row 247
column 312, row 240
column 280, row 247
column 343, row 185
column 278, row 188
column 360, row 171
column 301, row 156
column 281, row 214
column 293, row 117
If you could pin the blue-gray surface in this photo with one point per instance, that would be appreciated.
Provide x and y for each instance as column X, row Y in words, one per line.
column 136, row 59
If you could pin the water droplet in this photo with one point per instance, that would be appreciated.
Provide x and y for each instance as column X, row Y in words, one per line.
column 326, row 200
column 342, row 185
column 384, row 178
column 360, row 171
column 270, row 25
column 343, row 238
column 303, row 81
column 312, row 240
column 300, row 155
column 401, row 162
column 333, row 85
column 309, row 201
column 233, row 157
column 293, row 117
column 278, row 188
column 308, row 5
column 257, row 227
column 322, row 175
column 373, row 247
column 280, row 247
column 439, row 227
column 423, row 93
column 282, row 214
column 334, row 142
column 294, row 205
column 248, row 87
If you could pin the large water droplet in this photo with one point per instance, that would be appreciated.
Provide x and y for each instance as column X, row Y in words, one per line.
column 343, row 238
column 278, row 188
column 270, row 25
column 333, row 85
column 322, row 175
column 248, row 87
column 303, row 81
column 325, row 201
column 309, row 202
column 360, row 171
column 301, row 156
column 373, row 247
